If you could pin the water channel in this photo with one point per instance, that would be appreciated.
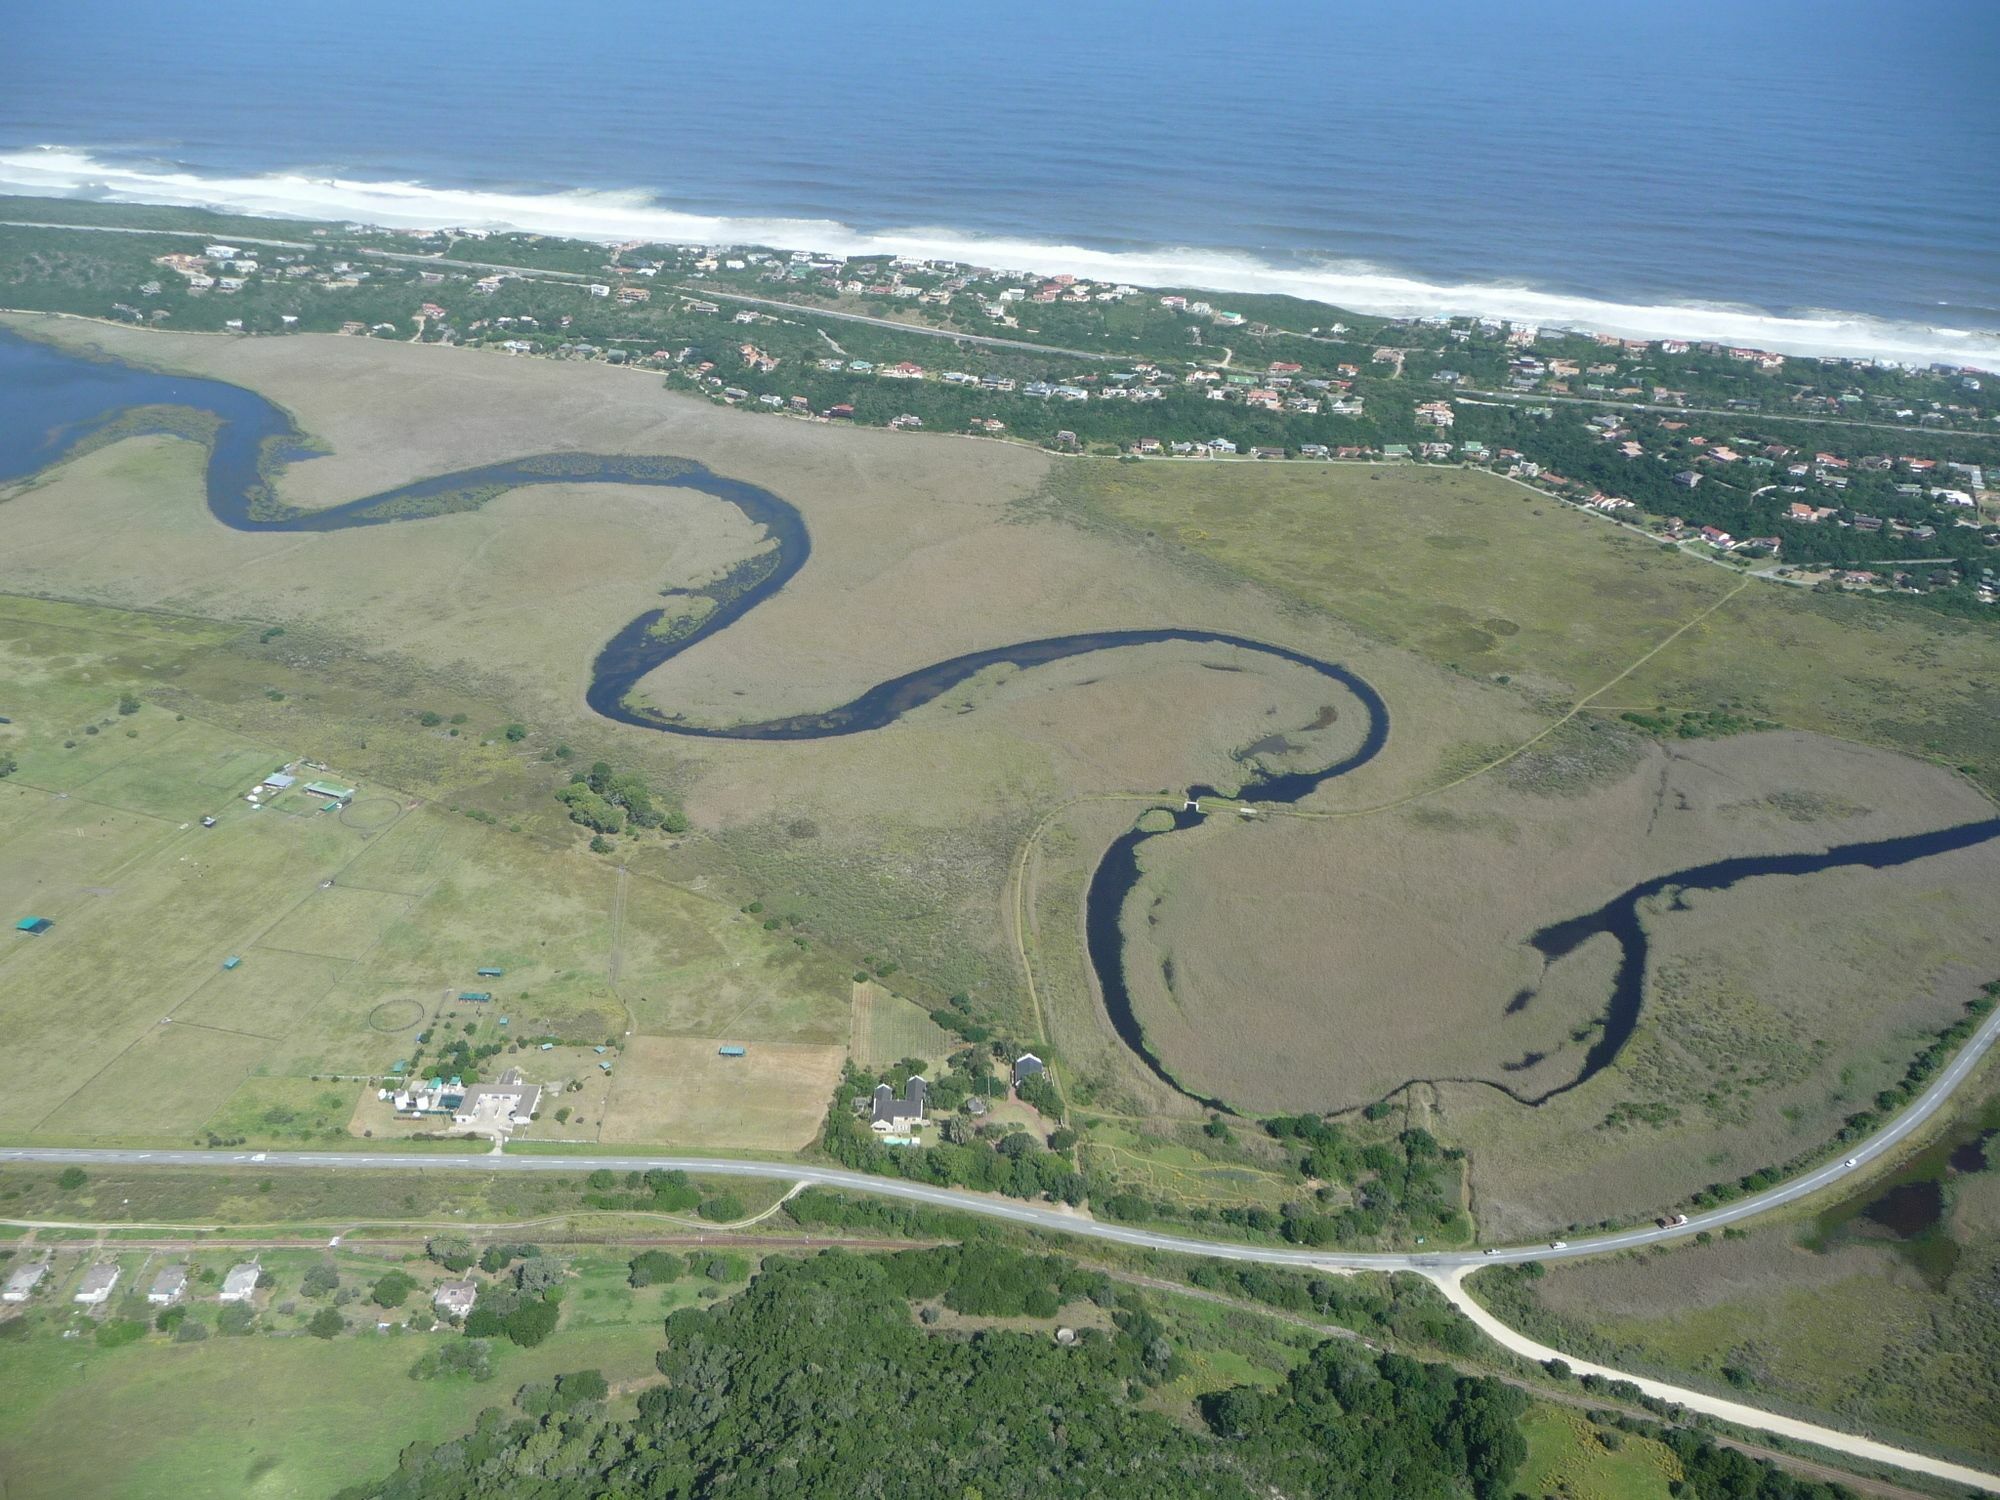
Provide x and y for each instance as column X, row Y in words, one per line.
column 54, row 404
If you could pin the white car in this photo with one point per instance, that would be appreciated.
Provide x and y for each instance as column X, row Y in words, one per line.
column 1851, row 1162
column 1492, row 1252
column 1559, row 1244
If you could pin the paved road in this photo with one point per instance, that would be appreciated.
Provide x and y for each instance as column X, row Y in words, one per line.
column 1061, row 1221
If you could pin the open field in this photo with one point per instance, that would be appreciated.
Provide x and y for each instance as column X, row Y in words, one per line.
column 1320, row 964
column 279, row 1414
column 353, row 928
column 1569, row 1459
column 773, row 1098
column 1863, row 1313
column 1294, row 965
column 1473, row 571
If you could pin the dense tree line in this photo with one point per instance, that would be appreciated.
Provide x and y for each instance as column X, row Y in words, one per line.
column 1406, row 1185
column 817, row 1381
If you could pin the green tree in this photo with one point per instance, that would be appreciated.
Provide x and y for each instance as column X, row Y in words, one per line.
column 531, row 1322
column 452, row 1251
column 69, row 1179
column 325, row 1323
column 393, row 1289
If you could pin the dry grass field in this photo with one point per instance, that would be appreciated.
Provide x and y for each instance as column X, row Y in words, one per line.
column 1292, row 965
column 682, row 1091
column 922, row 548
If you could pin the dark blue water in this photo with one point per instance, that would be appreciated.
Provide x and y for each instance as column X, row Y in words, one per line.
column 1788, row 154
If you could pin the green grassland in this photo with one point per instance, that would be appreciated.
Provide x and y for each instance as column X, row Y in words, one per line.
column 354, row 928
column 276, row 1413
column 237, row 1198
column 1836, row 1315
column 1570, row 1459
column 1493, row 580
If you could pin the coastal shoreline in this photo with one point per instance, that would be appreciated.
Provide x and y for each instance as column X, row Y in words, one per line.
column 634, row 215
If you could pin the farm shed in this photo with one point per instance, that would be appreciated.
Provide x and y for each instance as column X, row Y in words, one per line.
column 33, row 926
column 340, row 794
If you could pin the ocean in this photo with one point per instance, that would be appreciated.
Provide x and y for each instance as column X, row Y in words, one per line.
column 1815, row 175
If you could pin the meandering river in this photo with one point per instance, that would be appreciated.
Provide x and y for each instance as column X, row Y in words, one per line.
column 54, row 403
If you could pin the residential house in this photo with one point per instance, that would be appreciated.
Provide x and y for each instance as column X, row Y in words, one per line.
column 98, row 1281
column 21, row 1285
column 169, row 1286
column 240, row 1285
column 1027, row 1066
column 511, row 1101
column 894, row 1114
column 454, row 1299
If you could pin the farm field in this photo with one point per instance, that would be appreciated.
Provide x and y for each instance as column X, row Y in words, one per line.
column 1874, row 1312
column 888, row 1028
column 772, row 1098
column 354, row 930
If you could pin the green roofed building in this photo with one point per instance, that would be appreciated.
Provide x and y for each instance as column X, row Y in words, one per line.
column 342, row 794
column 33, row 925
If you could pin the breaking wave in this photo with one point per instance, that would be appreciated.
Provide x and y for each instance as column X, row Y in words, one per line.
column 632, row 215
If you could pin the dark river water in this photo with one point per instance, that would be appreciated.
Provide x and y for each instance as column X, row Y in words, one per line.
column 52, row 401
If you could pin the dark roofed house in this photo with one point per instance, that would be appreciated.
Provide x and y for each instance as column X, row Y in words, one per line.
column 897, row 1115
column 1026, row 1066
column 168, row 1286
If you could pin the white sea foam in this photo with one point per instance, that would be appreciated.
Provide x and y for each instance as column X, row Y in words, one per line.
column 54, row 171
